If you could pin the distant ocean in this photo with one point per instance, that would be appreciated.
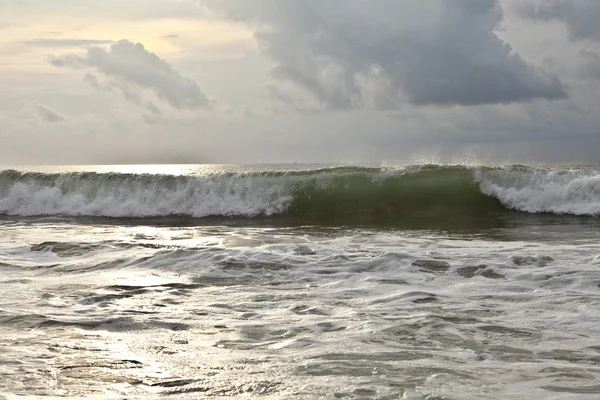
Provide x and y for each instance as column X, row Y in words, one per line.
column 300, row 281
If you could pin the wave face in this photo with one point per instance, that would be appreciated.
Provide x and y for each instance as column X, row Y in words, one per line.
column 319, row 194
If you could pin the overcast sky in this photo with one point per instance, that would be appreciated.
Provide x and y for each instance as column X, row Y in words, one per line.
column 248, row 81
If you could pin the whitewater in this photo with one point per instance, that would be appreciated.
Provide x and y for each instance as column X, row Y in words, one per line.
column 253, row 192
column 423, row 282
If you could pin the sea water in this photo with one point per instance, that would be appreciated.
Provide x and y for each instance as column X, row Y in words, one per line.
column 300, row 281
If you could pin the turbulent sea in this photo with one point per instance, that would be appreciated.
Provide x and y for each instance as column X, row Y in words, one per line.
column 300, row 281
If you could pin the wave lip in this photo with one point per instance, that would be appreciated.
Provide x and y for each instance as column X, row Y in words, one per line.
column 341, row 193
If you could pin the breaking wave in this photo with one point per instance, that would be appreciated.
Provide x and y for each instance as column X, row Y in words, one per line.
column 328, row 193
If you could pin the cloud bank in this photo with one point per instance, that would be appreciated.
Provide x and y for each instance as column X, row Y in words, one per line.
column 430, row 79
column 382, row 53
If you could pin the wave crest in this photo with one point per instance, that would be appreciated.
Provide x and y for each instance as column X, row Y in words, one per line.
column 341, row 193
column 575, row 191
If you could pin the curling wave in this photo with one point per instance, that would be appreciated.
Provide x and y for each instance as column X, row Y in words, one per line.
column 327, row 193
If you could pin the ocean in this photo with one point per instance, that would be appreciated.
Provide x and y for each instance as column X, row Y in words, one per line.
column 300, row 281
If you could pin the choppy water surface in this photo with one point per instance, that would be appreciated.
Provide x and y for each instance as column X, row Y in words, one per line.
column 301, row 306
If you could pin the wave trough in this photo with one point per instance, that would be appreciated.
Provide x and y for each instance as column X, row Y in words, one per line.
column 326, row 193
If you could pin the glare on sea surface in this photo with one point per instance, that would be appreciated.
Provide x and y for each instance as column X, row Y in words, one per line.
column 151, row 169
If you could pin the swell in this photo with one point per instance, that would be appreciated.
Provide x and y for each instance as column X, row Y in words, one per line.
column 341, row 193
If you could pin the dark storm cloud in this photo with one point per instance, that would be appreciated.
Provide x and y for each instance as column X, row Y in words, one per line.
column 582, row 17
column 132, row 66
column 65, row 42
column 380, row 53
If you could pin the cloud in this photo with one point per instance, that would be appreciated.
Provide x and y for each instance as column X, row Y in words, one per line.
column 580, row 16
column 383, row 53
column 133, row 67
column 92, row 81
column 64, row 42
column 125, row 89
column 591, row 65
column 48, row 114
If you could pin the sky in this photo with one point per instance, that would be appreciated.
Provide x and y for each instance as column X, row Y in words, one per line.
column 272, row 81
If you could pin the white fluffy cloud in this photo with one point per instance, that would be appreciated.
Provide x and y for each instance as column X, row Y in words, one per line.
column 132, row 67
column 382, row 53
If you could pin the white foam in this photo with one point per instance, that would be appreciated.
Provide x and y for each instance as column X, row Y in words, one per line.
column 574, row 192
column 317, row 333
column 106, row 196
